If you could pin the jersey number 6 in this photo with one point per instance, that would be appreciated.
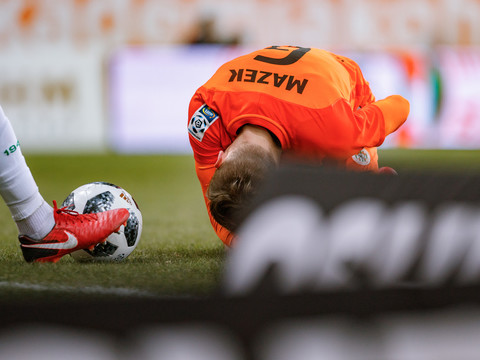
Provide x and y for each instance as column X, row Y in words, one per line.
column 291, row 58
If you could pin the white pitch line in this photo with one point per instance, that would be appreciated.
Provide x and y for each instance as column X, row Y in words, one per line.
column 72, row 289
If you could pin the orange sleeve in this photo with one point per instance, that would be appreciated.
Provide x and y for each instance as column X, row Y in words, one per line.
column 385, row 115
column 395, row 110
column 205, row 174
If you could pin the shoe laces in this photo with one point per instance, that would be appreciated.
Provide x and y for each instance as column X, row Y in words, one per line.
column 66, row 211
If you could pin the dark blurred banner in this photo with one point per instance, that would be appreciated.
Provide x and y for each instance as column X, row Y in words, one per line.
column 327, row 265
column 316, row 229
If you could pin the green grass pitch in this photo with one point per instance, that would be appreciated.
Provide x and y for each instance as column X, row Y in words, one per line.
column 179, row 254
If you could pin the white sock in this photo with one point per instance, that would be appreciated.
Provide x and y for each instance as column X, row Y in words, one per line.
column 39, row 224
column 18, row 188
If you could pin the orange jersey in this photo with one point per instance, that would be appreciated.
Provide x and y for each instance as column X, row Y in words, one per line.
column 316, row 103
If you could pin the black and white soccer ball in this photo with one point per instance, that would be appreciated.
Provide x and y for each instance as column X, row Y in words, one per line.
column 96, row 197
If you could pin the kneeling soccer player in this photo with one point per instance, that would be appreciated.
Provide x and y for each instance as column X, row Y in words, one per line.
column 281, row 102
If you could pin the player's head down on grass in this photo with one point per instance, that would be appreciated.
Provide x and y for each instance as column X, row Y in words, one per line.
column 240, row 171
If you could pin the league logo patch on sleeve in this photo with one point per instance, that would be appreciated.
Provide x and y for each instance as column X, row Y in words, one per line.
column 362, row 158
column 201, row 121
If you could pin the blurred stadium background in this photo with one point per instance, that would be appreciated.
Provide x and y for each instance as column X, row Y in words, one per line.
column 103, row 76
column 82, row 75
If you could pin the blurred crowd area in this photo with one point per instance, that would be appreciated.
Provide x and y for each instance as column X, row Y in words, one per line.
column 352, row 24
column 70, row 69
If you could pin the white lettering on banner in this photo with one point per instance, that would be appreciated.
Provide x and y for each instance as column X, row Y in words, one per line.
column 49, row 92
column 285, row 237
column 362, row 239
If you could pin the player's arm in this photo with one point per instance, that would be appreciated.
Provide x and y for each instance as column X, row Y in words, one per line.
column 205, row 145
column 205, row 174
column 375, row 121
column 395, row 110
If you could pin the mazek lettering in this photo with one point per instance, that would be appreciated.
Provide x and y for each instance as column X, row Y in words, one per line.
column 289, row 82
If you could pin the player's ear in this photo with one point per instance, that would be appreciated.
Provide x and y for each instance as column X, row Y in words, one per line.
column 221, row 157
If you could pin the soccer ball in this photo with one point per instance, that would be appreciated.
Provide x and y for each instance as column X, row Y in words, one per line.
column 96, row 197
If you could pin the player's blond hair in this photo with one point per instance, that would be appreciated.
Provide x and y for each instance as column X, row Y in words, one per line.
column 236, row 181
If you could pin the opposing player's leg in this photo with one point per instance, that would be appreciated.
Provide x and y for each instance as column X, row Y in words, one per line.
column 35, row 219
column 29, row 210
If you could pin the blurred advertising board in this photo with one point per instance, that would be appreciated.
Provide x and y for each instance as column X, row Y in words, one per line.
column 59, row 102
column 53, row 98
column 150, row 88
column 458, row 92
